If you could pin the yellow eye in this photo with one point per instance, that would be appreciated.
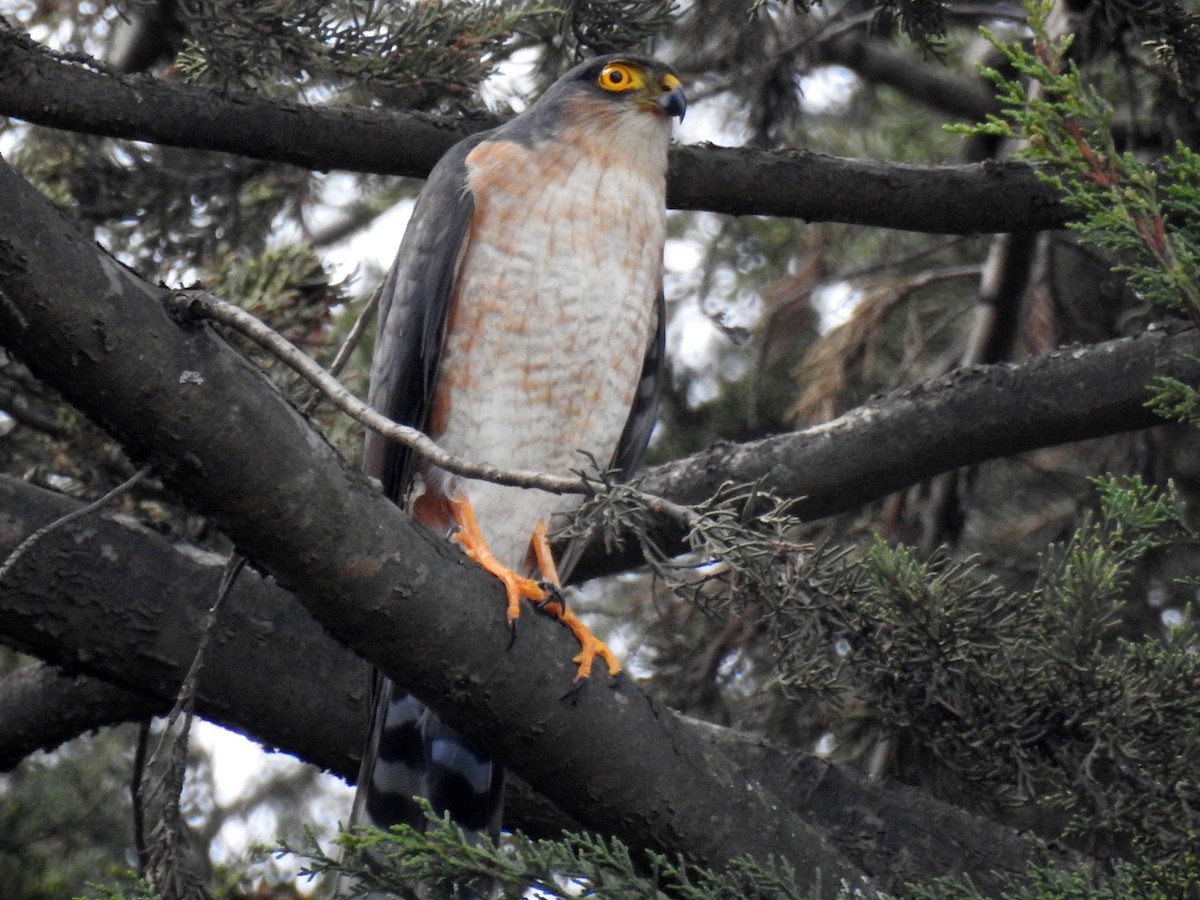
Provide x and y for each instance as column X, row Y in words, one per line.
column 619, row 76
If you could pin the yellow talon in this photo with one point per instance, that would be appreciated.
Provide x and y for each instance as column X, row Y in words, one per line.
column 471, row 539
column 517, row 586
column 591, row 645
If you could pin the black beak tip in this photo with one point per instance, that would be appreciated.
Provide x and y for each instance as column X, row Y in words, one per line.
column 674, row 103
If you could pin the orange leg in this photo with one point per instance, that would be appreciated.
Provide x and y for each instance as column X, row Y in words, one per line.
column 518, row 586
column 591, row 645
column 469, row 536
column 544, row 557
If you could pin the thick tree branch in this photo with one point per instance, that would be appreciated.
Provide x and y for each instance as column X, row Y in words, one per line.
column 41, row 706
column 38, row 88
column 926, row 82
column 274, row 674
column 893, row 442
column 111, row 599
column 966, row 417
column 106, row 597
column 42, row 89
column 178, row 397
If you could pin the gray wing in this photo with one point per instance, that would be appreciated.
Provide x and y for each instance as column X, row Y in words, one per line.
column 413, row 307
column 644, row 413
column 409, row 751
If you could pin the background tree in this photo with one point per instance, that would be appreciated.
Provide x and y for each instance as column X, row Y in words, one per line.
column 931, row 634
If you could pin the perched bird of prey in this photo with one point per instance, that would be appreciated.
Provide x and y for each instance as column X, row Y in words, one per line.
column 521, row 323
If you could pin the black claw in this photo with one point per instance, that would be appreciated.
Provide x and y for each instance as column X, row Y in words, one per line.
column 554, row 594
column 575, row 690
column 512, row 633
column 615, row 681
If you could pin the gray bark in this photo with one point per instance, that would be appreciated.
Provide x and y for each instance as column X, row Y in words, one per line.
column 180, row 398
column 106, row 597
column 946, row 199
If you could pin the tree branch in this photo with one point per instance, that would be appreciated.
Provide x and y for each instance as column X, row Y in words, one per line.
column 41, row 89
column 203, row 305
column 26, row 545
column 216, row 431
column 111, row 599
column 961, row 419
column 136, row 619
column 929, row 83
column 41, row 706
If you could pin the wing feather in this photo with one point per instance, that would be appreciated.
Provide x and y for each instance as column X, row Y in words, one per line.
column 635, row 437
column 413, row 309
column 414, row 306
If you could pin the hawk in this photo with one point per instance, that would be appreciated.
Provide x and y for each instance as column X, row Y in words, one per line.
column 521, row 323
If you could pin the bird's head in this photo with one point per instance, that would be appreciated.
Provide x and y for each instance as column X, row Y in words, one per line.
column 618, row 105
column 645, row 82
column 617, row 83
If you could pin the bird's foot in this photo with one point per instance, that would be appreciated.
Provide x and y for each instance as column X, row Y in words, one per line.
column 469, row 537
column 555, row 605
column 546, row 593
column 591, row 648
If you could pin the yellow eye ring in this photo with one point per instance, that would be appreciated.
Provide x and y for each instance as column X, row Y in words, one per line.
column 619, row 76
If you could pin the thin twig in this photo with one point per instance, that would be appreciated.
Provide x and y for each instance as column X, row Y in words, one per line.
column 348, row 345
column 202, row 305
column 185, row 700
column 168, row 870
column 25, row 545
column 137, row 796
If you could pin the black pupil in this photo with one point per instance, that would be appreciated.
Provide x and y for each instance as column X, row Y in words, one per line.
column 616, row 77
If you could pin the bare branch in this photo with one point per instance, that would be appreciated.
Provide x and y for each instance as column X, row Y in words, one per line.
column 938, row 199
column 41, row 705
column 357, row 560
column 878, row 62
column 204, row 305
column 38, row 535
column 135, row 618
column 348, row 345
column 961, row 419
column 135, row 621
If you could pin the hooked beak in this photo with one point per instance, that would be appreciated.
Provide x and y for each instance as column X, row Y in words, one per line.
column 672, row 99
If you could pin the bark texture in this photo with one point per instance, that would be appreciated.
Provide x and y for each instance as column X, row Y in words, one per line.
column 132, row 624
column 177, row 396
column 961, row 419
column 965, row 199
